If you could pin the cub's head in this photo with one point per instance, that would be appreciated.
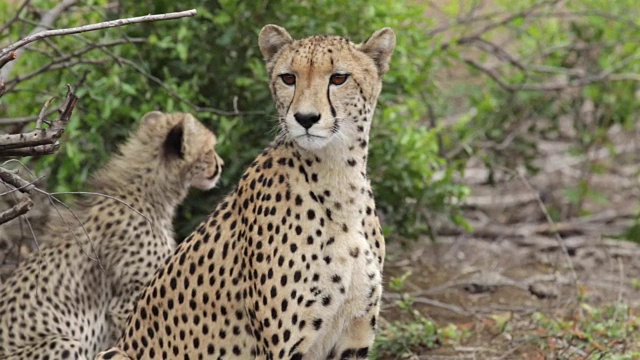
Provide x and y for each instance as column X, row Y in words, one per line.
column 325, row 87
column 186, row 147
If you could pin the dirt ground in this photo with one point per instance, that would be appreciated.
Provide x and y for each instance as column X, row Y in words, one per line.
column 491, row 282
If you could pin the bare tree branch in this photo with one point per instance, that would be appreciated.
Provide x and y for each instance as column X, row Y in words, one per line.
column 15, row 17
column 177, row 96
column 14, row 144
column 93, row 27
column 7, row 59
column 33, row 150
column 22, row 119
column 21, row 208
column 15, row 181
column 52, row 66
column 65, row 61
column 605, row 76
column 47, row 20
column 506, row 20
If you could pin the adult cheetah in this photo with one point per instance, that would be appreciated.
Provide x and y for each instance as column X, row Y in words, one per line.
column 73, row 297
column 289, row 264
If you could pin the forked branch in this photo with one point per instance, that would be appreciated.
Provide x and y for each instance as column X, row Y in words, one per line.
column 30, row 143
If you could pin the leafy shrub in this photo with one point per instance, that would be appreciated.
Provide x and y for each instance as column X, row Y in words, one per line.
column 213, row 61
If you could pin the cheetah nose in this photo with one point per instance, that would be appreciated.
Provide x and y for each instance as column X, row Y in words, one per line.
column 307, row 120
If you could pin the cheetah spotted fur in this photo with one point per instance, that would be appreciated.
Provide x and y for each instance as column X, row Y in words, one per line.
column 73, row 297
column 289, row 265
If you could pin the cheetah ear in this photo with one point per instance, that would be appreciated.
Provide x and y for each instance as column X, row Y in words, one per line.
column 379, row 47
column 271, row 39
column 150, row 118
column 174, row 141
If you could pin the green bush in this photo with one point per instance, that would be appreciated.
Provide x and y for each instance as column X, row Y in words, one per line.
column 213, row 61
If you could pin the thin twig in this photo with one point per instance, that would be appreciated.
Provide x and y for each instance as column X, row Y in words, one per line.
column 84, row 229
column 430, row 302
column 184, row 100
column 21, row 188
column 98, row 194
column 93, row 27
column 21, row 208
column 52, row 66
column 15, row 17
column 39, row 142
column 552, row 223
column 47, row 20
column 22, row 119
column 605, row 76
column 42, row 113
column 508, row 19
column 64, row 62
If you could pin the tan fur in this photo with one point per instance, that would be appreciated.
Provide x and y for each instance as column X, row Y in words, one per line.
column 289, row 265
column 73, row 297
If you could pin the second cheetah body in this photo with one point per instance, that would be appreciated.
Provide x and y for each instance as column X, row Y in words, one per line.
column 72, row 298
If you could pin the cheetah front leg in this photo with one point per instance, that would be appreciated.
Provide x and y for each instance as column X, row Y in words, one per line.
column 121, row 306
column 114, row 353
column 359, row 337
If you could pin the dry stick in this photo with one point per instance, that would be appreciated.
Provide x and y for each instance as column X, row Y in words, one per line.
column 93, row 27
column 22, row 119
column 15, row 181
column 42, row 113
column 177, row 96
column 559, row 239
column 430, row 302
column 22, row 188
column 30, row 139
column 5, row 60
column 39, row 142
column 66, row 61
column 52, row 66
column 32, row 150
column 18, row 209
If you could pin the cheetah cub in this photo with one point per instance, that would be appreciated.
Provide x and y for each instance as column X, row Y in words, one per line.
column 73, row 297
column 289, row 264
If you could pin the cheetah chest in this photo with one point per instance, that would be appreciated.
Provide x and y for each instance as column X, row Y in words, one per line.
column 362, row 276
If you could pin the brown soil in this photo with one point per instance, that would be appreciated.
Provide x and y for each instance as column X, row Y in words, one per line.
column 514, row 264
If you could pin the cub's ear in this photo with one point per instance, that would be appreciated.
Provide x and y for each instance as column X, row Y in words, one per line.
column 379, row 47
column 150, row 118
column 271, row 39
column 174, row 141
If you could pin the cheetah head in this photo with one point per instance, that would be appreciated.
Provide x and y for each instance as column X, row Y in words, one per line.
column 188, row 147
column 325, row 87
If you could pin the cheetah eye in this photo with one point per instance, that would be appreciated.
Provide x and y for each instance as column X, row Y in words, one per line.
column 338, row 79
column 288, row 79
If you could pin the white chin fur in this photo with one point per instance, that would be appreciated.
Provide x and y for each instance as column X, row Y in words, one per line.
column 204, row 184
column 315, row 139
column 311, row 142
